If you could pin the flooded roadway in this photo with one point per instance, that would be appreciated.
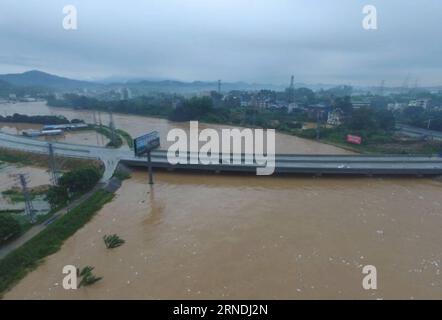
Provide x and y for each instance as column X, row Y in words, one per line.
column 86, row 137
column 216, row 236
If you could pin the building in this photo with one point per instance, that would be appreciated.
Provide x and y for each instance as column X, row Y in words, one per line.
column 35, row 133
column 423, row 103
column 317, row 110
column 361, row 104
column 396, row 106
column 335, row 117
column 292, row 106
column 66, row 127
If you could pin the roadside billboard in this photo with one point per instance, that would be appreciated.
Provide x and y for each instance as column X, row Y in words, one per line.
column 146, row 143
column 354, row 139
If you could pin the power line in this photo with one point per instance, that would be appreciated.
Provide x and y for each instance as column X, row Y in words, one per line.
column 29, row 208
column 94, row 115
column 52, row 165
column 381, row 88
column 112, row 127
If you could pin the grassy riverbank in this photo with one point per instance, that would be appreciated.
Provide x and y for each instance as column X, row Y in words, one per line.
column 42, row 160
column 18, row 263
column 376, row 127
column 374, row 142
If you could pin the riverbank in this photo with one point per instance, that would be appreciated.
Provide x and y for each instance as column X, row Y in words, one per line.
column 42, row 160
column 26, row 258
column 374, row 141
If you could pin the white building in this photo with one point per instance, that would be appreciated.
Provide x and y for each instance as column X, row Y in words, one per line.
column 396, row 106
column 335, row 117
column 423, row 103
column 292, row 106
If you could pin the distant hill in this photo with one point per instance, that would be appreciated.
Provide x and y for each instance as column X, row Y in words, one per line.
column 49, row 82
column 42, row 79
column 173, row 86
column 7, row 88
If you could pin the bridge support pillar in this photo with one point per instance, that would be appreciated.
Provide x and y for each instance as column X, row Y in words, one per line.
column 149, row 164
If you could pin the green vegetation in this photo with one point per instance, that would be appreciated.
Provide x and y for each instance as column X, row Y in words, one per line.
column 126, row 136
column 41, row 160
column 9, row 228
column 378, row 142
column 46, row 119
column 11, row 211
column 422, row 118
column 112, row 241
column 87, row 277
column 72, row 185
column 18, row 263
column 107, row 132
column 121, row 174
column 370, row 119
column 16, row 195
column 147, row 106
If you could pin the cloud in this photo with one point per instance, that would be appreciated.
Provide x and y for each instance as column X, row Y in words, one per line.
column 250, row 40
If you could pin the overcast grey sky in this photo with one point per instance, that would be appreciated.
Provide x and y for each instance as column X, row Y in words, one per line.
column 320, row 41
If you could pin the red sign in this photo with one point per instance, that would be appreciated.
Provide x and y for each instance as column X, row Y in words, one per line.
column 354, row 139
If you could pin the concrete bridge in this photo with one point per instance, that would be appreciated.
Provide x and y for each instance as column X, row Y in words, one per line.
column 284, row 163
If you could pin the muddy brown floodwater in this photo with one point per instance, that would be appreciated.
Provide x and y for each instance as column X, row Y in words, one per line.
column 227, row 237
column 138, row 125
column 8, row 176
column 86, row 137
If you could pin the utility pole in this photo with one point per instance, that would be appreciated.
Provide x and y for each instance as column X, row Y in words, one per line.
column 291, row 90
column 112, row 127
column 405, row 84
column 101, row 126
column 318, row 133
column 149, row 164
column 381, row 89
column 219, row 86
column 94, row 115
column 29, row 209
column 52, row 165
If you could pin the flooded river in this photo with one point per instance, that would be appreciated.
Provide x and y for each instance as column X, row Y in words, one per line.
column 86, row 137
column 138, row 125
column 220, row 236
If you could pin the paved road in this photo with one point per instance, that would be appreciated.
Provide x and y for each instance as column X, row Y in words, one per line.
column 419, row 132
column 110, row 157
column 285, row 163
column 36, row 229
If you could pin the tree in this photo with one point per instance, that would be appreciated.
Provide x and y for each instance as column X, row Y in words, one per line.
column 413, row 115
column 361, row 119
column 73, row 183
column 344, row 104
column 9, row 227
column 80, row 180
column 305, row 95
column 192, row 109
column 385, row 120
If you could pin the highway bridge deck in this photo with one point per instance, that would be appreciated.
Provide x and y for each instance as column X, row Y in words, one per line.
column 284, row 163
